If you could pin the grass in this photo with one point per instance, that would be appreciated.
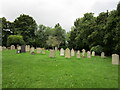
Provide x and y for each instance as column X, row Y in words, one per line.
column 39, row 71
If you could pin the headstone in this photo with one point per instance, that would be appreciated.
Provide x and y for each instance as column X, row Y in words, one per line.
column 0, row 48
column 93, row 53
column 102, row 55
column 38, row 50
column 32, row 51
column 18, row 49
column 72, row 52
column 52, row 54
column 67, row 53
column 88, row 54
column 61, row 52
column 3, row 48
column 12, row 47
column 83, row 52
column 78, row 54
column 23, row 49
column 43, row 51
column 56, row 48
column 115, row 59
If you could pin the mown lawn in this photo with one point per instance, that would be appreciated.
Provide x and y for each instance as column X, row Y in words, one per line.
column 39, row 71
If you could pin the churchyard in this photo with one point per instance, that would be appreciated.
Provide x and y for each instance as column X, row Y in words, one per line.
column 27, row 67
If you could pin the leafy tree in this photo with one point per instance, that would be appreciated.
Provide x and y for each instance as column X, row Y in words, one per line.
column 14, row 40
column 25, row 25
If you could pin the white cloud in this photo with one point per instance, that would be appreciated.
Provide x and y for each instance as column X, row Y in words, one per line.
column 50, row 12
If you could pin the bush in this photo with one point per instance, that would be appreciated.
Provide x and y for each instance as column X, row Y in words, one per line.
column 98, row 49
column 15, row 39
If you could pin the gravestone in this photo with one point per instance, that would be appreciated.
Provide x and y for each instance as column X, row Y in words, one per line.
column 88, row 54
column 56, row 48
column 67, row 53
column 43, row 51
column 38, row 50
column 93, row 53
column 12, row 47
column 83, row 52
column 52, row 54
column 61, row 52
column 72, row 52
column 32, row 50
column 102, row 55
column 3, row 48
column 0, row 48
column 23, row 49
column 18, row 49
column 78, row 54
column 115, row 59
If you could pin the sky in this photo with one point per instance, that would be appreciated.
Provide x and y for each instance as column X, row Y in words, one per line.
column 51, row 12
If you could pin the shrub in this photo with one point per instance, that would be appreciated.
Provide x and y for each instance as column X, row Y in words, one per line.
column 98, row 49
column 15, row 39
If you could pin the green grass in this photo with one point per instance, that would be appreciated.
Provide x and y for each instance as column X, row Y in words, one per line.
column 39, row 71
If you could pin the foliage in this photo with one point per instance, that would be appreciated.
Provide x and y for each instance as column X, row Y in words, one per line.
column 98, row 49
column 14, row 40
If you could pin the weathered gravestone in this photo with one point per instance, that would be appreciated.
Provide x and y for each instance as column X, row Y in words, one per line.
column 78, row 54
column 18, row 49
column 83, row 52
column 23, row 49
column 27, row 48
column 72, row 52
column 56, row 48
column 102, row 55
column 67, row 53
column 38, row 50
column 52, row 54
column 61, row 52
column 43, row 51
column 32, row 50
column 12, row 47
column 0, row 48
column 88, row 54
column 93, row 53
column 3, row 48
column 115, row 59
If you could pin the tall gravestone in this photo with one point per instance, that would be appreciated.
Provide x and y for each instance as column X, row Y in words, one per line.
column 115, row 59
column 67, row 53
column 23, row 49
column 56, row 48
column 0, row 48
column 93, row 53
column 102, row 55
column 32, row 50
column 18, row 49
column 72, row 52
column 83, row 52
column 88, row 54
column 52, row 54
column 78, row 54
column 61, row 52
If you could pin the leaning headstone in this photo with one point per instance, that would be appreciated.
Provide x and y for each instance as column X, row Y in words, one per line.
column 88, row 54
column 43, row 51
column 67, row 53
column 0, row 48
column 78, row 54
column 72, row 52
column 115, row 59
column 83, row 52
column 23, row 49
column 52, row 54
column 12, row 47
column 61, row 52
column 32, row 50
column 38, row 50
column 102, row 55
column 93, row 53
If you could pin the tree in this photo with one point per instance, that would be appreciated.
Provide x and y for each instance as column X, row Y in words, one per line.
column 25, row 25
column 14, row 40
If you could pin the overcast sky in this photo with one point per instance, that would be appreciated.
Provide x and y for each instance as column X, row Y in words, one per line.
column 50, row 12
